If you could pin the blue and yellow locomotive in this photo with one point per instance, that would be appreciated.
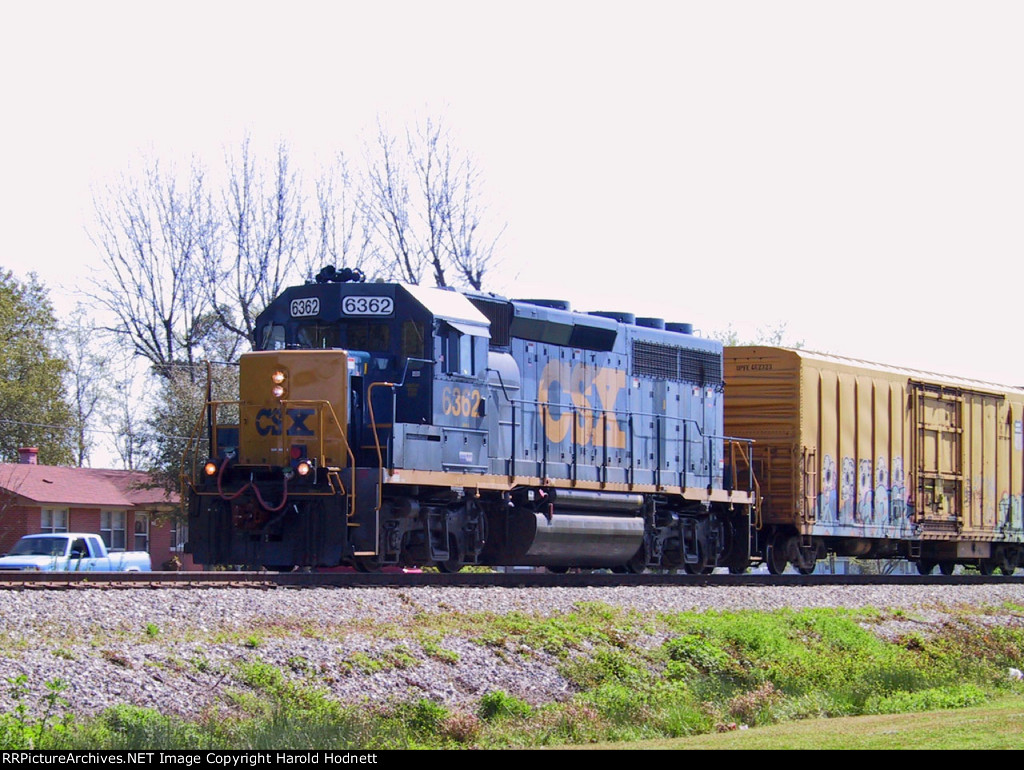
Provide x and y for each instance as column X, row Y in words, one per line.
column 389, row 424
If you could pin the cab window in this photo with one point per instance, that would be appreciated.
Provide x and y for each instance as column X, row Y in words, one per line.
column 272, row 337
column 369, row 336
column 318, row 336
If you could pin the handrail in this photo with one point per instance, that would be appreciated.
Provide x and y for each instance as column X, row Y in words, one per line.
column 600, row 426
column 211, row 408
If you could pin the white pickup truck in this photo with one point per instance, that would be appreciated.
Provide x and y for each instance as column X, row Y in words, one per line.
column 71, row 552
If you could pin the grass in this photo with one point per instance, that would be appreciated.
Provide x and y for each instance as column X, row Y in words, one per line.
column 996, row 725
column 702, row 680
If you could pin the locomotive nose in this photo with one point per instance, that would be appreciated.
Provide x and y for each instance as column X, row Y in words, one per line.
column 294, row 409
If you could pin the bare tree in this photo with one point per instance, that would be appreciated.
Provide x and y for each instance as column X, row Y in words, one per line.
column 343, row 236
column 85, row 379
column 123, row 411
column 422, row 199
column 149, row 231
column 387, row 207
column 772, row 336
column 252, row 254
column 453, row 213
column 466, row 241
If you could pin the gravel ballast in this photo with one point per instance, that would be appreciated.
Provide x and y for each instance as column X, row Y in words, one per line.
column 181, row 651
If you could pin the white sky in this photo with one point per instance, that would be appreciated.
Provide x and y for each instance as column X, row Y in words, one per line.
column 854, row 169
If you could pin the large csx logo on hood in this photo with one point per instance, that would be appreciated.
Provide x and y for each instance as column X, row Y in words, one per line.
column 269, row 422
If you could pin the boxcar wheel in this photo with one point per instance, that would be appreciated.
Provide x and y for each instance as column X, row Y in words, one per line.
column 947, row 567
column 776, row 555
column 925, row 566
column 1007, row 558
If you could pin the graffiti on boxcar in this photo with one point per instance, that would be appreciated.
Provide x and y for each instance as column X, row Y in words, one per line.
column 883, row 498
column 848, row 483
column 881, row 490
column 827, row 498
column 865, row 506
column 899, row 491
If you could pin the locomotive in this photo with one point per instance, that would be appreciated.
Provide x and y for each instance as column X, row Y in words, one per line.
column 385, row 424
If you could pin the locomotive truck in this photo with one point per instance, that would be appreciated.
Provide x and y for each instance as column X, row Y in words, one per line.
column 383, row 424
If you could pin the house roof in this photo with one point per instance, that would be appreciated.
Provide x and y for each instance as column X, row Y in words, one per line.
column 87, row 487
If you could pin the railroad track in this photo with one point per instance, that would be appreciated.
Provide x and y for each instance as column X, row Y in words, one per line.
column 274, row 580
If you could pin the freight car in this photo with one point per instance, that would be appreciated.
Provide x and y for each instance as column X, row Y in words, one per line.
column 874, row 461
column 386, row 424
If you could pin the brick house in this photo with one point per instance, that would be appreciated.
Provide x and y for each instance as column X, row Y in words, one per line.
column 114, row 504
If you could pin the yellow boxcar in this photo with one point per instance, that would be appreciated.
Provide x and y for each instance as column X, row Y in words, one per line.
column 863, row 459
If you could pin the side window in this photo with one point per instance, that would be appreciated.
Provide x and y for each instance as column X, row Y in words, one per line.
column 460, row 353
column 413, row 340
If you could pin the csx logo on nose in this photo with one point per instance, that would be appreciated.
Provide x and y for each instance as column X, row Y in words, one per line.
column 268, row 422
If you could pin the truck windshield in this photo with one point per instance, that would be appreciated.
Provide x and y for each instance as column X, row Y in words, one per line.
column 39, row 546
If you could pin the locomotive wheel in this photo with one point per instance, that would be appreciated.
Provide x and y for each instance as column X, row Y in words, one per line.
column 454, row 562
column 699, row 567
column 367, row 564
column 986, row 566
column 925, row 566
column 947, row 567
column 804, row 569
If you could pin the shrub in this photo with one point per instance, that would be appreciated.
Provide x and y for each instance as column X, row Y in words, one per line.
column 497, row 705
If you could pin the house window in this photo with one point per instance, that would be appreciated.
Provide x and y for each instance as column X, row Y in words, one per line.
column 179, row 535
column 113, row 529
column 141, row 532
column 54, row 520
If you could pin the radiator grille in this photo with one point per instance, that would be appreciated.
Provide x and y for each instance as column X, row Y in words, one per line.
column 670, row 362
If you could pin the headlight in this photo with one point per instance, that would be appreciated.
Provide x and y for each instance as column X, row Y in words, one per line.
column 278, row 378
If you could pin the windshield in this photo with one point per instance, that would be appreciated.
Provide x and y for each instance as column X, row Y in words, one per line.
column 39, row 546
